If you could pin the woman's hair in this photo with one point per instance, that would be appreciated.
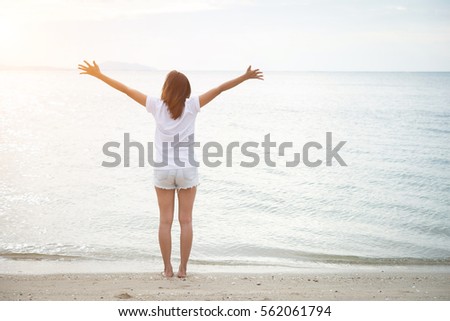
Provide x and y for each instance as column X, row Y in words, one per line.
column 175, row 91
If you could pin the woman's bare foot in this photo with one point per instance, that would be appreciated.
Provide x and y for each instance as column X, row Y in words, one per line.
column 168, row 272
column 181, row 272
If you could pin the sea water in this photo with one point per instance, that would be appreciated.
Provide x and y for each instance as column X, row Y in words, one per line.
column 61, row 210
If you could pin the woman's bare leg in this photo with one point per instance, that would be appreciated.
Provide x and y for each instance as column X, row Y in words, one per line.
column 186, row 199
column 166, row 202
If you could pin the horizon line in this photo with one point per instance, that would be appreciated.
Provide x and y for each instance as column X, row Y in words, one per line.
column 154, row 69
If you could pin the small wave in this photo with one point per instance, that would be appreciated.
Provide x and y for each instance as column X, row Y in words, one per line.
column 283, row 258
column 436, row 130
column 331, row 260
column 364, row 260
column 383, row 261
column 297, row 257
column 38, row 257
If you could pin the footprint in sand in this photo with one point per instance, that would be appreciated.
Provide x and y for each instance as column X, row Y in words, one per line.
column 123, row 296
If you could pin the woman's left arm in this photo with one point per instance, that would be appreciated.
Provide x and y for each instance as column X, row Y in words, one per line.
column 94, row 71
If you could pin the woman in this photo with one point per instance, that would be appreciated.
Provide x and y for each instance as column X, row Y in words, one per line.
column 175, row 114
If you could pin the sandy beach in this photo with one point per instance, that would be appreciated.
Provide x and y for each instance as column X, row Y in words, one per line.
column 380, row 285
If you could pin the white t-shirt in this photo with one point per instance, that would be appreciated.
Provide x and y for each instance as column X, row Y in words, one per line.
column 167, row 129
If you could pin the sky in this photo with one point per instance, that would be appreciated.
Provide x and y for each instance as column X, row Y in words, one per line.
column 297, row 35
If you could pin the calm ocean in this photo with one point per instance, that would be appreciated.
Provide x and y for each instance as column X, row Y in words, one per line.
column 61, row 210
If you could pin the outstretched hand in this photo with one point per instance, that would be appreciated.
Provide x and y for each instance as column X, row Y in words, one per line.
column 253, row 74
column 89, row 69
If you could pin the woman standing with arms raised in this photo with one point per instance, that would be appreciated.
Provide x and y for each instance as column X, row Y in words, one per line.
column 175, row 113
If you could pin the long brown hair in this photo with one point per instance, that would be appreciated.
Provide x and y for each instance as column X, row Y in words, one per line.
column 175, row 90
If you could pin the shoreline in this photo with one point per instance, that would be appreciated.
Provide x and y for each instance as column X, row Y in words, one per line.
column 356, row 285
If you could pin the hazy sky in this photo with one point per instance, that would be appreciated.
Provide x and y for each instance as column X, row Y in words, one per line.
column 349, row 35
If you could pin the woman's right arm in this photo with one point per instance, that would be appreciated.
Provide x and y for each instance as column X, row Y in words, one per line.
column 213, row 93
column 94, row 71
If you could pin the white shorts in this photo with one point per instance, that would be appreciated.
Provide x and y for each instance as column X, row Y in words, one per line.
column 180, row 178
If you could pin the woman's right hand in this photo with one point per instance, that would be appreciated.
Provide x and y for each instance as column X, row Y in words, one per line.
column 88, row 69
column 253, row 74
